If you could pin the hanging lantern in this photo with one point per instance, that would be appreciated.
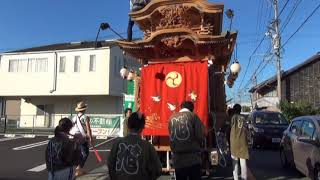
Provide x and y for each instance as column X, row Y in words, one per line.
column 131, row 75
column 124, row 72
column 235, row 68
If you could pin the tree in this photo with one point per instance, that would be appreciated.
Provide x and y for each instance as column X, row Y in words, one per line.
column 295, row 109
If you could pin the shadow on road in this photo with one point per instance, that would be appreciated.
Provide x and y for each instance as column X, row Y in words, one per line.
column 265, row 164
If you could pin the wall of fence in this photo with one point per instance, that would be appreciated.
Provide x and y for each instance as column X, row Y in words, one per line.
column 102, row 124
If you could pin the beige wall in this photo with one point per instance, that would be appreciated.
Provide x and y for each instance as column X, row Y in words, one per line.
column 25, row 83
column 117, row 61
column 12, row 106
column 63, row 106
column 84, row 82
column 104, row 81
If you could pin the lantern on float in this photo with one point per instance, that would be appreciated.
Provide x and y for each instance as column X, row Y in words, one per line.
column 124, row 72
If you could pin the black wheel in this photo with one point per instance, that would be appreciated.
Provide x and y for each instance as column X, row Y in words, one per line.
column 317, row 173
column 283, row 158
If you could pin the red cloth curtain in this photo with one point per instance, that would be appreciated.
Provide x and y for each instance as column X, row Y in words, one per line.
column 165, row 86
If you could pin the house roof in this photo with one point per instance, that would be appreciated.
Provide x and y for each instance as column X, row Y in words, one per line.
column 286, row 73
column 67, row 46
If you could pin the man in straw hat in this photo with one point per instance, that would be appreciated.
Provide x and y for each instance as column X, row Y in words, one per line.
column 82, row 133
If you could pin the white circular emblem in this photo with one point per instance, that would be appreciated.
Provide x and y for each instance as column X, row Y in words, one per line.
column 173, row 79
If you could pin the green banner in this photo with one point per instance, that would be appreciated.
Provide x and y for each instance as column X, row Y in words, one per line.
column 129, row 102
column 130, row 88
column 105, row 122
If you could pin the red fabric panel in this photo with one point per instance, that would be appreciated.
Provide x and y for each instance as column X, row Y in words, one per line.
column 172, row 83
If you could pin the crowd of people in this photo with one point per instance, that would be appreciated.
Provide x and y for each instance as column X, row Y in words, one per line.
column 132, row 157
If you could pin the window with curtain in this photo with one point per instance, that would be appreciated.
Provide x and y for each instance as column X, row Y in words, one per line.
column 76, row 64
column 31, row 64
column 28, row 65
column 18, row 65
column 62, row 64
column 13, row 65
column 92, row 66
column 41, row 65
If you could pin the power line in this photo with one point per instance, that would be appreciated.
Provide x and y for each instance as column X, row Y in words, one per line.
column 290, row 15
column 303, row 23
column 245, row 73
column 255, row 73
column 285, row 5
column 297, row 30
column 283, row 8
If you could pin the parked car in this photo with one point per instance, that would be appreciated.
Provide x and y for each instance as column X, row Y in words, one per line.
column 265, row 128
column 300, row 146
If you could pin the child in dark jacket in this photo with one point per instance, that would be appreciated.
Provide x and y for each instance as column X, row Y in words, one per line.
column 62, row 154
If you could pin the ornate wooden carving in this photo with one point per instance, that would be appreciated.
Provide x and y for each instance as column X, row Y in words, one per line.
column 173, row 42
column 181, row 28
column 174, row 16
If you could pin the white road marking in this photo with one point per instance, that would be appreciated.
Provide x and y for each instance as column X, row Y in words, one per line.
column 50, row 136
column 29, row 146
column 104, row 142
column 101, row 137
column 38, row 168
column 9, row 135
column 29, row 136
column 9, row 138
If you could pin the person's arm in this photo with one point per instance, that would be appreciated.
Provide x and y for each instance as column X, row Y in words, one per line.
column 111, row 162
column 199, row 129
column 154, row 167
column 89, row 133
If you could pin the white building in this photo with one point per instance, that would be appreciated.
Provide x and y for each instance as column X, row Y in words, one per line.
column 40, row 85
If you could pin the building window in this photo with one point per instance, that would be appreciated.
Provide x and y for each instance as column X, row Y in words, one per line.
column 76, row 64
column 13, row 65
column 62, row 64
column 92, row 66
column 28, row 65
column 41, row 65
column 31, row 64
column 18, row 65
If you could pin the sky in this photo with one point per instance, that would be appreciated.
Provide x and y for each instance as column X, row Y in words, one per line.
column 31, row 23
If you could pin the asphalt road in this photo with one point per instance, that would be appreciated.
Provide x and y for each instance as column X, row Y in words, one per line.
column 265, row 165
column 24, row 159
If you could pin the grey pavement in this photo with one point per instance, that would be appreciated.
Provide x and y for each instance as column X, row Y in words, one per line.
column 264, row 165
column 101, row 174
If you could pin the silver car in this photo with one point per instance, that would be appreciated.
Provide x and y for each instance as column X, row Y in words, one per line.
column 300, row 146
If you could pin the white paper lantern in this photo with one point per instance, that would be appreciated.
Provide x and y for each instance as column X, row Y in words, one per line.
column 235, row 68
column 124, row 72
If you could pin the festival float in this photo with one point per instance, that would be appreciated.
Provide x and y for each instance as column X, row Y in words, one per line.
column 185, row 56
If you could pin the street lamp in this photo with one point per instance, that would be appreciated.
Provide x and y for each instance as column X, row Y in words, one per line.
column 104, row 26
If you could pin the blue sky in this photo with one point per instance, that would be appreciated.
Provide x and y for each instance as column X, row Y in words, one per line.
column 31, row 23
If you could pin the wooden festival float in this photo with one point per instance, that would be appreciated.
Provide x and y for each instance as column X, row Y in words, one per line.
column 185, row 56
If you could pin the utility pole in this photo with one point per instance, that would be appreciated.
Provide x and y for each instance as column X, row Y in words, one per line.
column 276, row 43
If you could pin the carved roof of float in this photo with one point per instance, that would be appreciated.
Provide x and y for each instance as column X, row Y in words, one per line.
column 198, row 15
column 179, row 28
